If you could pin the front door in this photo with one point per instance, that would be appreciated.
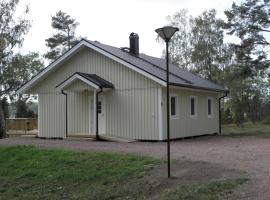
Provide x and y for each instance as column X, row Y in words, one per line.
column 101, row 115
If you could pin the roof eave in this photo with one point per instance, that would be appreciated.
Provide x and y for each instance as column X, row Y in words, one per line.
column 200, row 88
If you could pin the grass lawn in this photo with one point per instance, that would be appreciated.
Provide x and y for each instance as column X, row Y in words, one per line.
column 249, row 129
column 30, row 173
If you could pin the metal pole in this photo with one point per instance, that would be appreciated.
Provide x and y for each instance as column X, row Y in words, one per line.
column 168, row 111
column 219, row 116
column 219, row 109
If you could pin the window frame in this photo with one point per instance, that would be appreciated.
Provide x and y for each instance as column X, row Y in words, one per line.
column 212, row 107
column 195, row 107
column 176, row 116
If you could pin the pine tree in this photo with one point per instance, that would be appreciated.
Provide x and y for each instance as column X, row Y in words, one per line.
column 250, row 21
column 64, row 38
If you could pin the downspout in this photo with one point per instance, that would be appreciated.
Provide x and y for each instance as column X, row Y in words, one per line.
column 219, row 110
column 62, row 91
column 97, row 136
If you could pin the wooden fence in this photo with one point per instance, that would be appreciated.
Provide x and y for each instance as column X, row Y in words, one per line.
column 22, row 126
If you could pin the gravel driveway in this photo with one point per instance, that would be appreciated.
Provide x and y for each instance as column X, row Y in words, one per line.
column 249, row 154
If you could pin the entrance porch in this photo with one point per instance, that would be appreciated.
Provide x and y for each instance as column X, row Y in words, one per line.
column 85, row 105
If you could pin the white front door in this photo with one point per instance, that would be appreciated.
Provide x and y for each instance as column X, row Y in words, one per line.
column 101, row 115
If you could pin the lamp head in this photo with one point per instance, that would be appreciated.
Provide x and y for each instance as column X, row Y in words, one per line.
column 166, row 32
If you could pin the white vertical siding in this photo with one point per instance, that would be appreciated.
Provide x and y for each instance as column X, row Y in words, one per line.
column 78, row 86
column 78, row 113
column 186, row 126
column 131, row 107
column 133, row 113
column 51, row 115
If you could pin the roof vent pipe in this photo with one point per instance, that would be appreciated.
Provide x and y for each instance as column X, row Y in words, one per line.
column 134, row 44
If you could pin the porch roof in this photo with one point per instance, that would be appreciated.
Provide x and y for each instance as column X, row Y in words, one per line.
column 92, row 80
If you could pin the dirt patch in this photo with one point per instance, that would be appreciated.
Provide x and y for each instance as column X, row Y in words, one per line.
column 187, row 173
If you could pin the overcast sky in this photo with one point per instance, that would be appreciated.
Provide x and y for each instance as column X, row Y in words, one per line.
column 111, row 21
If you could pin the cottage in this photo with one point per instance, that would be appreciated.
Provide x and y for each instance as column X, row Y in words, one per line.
column 100, row 89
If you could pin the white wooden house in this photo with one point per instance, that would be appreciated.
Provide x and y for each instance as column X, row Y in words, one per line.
column 119, row 92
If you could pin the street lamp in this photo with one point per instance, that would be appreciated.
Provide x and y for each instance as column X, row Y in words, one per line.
column 166, row 34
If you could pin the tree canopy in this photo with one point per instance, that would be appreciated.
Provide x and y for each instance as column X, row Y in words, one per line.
column 180, row 46
column 12, row 32
column 199, row 46
column 64, row 38
column 208, row 49
column 250, row 21
column 22, row 68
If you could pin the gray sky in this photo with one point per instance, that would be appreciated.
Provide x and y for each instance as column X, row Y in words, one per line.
column 111, row 21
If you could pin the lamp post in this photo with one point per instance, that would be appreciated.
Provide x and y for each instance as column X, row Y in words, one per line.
column 166, row 34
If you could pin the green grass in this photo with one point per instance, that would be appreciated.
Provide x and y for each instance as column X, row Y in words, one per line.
column 52, row 174
column 249, row 129
column 30, row 173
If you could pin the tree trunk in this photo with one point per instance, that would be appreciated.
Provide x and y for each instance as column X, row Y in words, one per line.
column 2, row 122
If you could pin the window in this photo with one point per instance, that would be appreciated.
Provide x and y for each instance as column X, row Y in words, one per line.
column 173, row 106
column 210, row 106
column 193, row 106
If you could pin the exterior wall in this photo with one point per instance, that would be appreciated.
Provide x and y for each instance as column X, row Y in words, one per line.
column 51, row 115
column 131, row 107
column 133, row 113
column 79, row 113
column 77, row 86
column 185, row 126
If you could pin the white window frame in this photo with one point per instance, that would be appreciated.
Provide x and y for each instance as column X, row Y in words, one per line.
column 195, row 107
column 176, row 116
column 212, row 107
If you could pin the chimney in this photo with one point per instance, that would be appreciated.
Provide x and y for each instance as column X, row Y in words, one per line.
column 134, row 44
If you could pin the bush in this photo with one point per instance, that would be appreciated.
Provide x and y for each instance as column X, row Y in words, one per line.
column 267, row 119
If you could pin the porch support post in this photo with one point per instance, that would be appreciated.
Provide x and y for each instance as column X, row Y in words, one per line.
column 95, row 111
column 97, row 136
column 90, row 125
column 64, row 93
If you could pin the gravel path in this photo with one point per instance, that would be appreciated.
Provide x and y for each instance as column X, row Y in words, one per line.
column 249, row 154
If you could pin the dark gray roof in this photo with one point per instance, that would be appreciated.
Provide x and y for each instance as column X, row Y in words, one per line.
column 96, row 79
column 93, row 78
column 157, row 67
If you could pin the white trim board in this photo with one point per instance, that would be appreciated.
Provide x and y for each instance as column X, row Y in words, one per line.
column 195, row 89
column 73, row 78
column 75, row 49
